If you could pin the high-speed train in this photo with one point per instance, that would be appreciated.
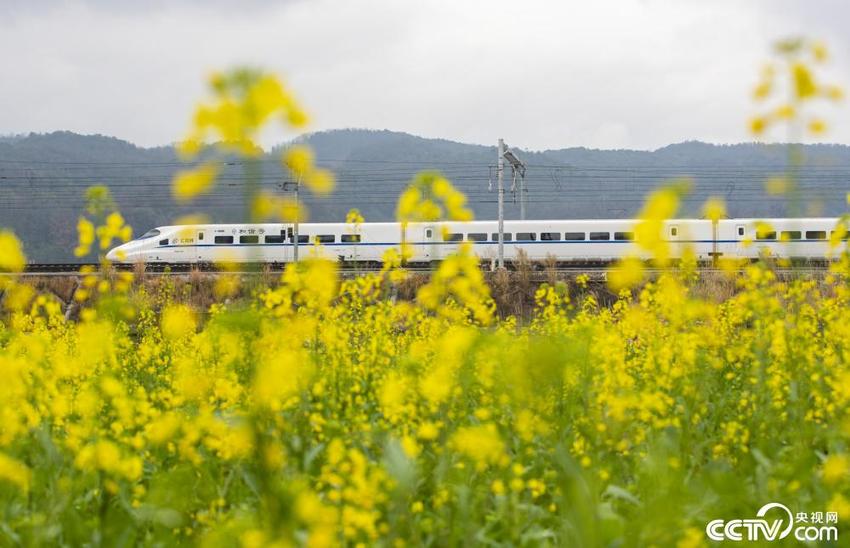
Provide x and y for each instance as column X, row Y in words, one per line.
column 566, row 241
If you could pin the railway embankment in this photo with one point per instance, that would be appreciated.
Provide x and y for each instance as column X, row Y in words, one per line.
column 512, row 290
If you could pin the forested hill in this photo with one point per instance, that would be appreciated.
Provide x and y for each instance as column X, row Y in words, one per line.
column 396, row 146
column 43, row 178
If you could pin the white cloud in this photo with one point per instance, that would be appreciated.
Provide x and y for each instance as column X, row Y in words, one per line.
column 540, row 74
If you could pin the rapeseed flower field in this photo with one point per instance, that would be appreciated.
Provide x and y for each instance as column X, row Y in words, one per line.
column 325, row 411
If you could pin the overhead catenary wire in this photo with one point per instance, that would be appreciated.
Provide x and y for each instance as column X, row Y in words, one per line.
column 147, row 185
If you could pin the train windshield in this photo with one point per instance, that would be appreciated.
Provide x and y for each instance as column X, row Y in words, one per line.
column 149, row 234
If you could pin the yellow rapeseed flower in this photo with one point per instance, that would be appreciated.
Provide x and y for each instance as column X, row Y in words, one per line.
column 786, row 112
column 777, row 185
column 804, row 84
column 757, row 125
column 625, row 274
column 12, row 257
column 86, row 235
column 298, row 159
column 190, row 183
column 15, row 472
column 320, row 181
column 820, row 52
column 354, row 217
column 714, row 209
column 835, row 468
column 762, row 91
column 178, row 321
column 482, row 444
column 817, row 126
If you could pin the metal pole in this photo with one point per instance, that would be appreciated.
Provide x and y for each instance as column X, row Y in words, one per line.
column 517, row 167
column 297, row 218
column 523, row 197
column 501, row 172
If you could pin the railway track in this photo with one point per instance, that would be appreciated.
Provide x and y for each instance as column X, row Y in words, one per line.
column 537, row 270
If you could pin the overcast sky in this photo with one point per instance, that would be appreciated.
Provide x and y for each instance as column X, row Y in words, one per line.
column 542, row 74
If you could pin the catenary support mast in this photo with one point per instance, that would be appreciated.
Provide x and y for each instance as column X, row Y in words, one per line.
column 501, row 175
column 517, row 167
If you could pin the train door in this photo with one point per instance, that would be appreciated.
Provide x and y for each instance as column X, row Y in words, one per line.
column 740, row 234
column 428, row 247
column 674, row 235
column 200, row 250
column 281, row 244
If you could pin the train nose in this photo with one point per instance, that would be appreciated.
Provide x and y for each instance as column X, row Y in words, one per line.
column 112, row 255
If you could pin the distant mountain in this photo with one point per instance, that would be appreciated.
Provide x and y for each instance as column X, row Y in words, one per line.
column 43, row 178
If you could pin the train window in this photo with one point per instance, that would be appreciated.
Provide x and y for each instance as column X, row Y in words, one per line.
column 476, row 237
column 843, row 238
column 526, row 236
column 326, row 238
column 249, row 239
column 303, row 238
column 790, row 235
column 224, row 239
column 740, row 231
column 350, row 238
column 200, row 236
column 624, row 236
column 505, row 235
column 816, row 234
column 765, row 235
column 598, row 236
column 454, row 237
column 163, row 242
column 674, row 231
column 150, row 234
column 574, row 236
column 550, row 236
column 428, row 233
column 274, row 239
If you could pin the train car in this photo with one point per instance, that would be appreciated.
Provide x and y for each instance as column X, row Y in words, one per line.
column 804, row 238
column 574, row 241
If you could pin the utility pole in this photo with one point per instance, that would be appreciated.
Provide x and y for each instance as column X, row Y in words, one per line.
column 501, row 172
